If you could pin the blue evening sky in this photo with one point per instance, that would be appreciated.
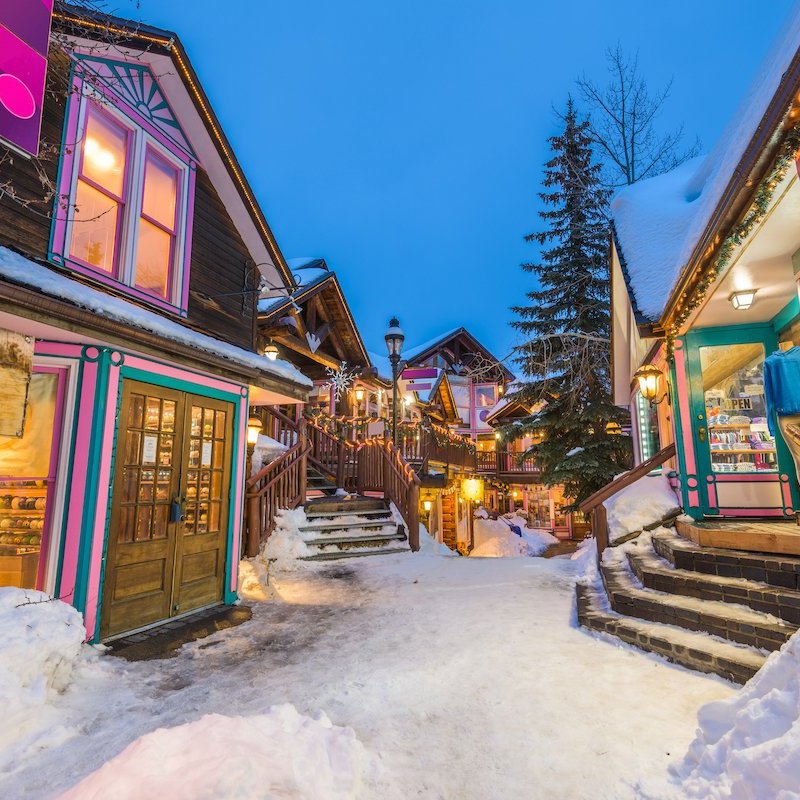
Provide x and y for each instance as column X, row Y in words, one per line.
column 404, row 141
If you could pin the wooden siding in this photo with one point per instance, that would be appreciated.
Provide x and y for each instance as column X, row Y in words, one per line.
column 219, row 267
column 218, row 256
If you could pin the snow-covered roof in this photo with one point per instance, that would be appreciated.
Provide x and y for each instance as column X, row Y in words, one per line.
column 382, row 364
column 659, row 222
column 421, row 348
column 21, row 270
column 307, row 279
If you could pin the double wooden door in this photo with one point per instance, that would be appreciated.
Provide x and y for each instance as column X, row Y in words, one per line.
column 170, row 506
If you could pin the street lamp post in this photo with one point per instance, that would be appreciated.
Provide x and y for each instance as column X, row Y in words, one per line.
column 394, row 344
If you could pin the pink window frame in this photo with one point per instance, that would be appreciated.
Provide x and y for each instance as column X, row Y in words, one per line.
column 121, row 203
column 59, row 245
column 173, row 232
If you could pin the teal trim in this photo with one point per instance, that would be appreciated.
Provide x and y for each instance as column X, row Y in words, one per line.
column 237, row 484
column 133, row 373
column 787, row 315
column 180, row 385
column 92, row 484
column 760, row 333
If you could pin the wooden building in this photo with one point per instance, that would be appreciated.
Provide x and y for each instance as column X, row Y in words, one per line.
column 132, row 252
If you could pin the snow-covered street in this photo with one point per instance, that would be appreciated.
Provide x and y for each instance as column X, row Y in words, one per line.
column 461, row 677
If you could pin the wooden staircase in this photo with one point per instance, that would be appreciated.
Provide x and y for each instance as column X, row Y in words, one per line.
column 316, row 466
column 349, row 527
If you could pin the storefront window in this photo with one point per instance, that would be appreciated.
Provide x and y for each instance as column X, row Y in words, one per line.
column 25, row 483
column 647, row 420
column 736, row 413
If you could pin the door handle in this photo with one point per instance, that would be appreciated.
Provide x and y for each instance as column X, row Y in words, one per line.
column 176, row 513
column 701, row 434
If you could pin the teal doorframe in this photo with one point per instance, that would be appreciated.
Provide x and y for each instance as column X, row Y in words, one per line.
column 761, row 333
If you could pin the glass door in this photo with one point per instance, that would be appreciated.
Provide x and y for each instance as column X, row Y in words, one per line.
column 738, row 459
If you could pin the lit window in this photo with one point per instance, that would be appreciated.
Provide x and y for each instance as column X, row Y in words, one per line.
column 99, row 193
column 129, row 207
column 157, row 226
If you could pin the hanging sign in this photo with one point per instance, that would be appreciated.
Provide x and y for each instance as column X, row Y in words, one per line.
column 16, row 365
column 24, row 36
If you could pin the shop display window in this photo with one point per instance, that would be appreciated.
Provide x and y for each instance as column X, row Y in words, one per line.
column 647, row 420
column 736, row 412
column 27, row 467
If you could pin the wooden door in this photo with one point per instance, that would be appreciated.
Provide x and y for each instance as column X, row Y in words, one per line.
column 170, row 504
column 143, row 534
column 205, row 493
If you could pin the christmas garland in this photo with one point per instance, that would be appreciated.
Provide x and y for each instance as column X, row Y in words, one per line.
column 755, row 214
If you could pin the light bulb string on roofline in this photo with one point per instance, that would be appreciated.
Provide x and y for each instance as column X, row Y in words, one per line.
column 693, row 297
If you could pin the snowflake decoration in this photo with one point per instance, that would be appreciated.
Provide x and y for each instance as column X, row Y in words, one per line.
column 341, row 379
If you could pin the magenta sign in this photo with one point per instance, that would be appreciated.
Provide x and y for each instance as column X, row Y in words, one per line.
column 24, row 34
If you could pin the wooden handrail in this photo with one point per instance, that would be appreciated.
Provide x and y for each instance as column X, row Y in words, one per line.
column 593, row 505
column 610, row 489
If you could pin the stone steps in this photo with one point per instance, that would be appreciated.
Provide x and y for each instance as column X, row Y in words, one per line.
column 335, row 556
column 348, row 542
column 655, row 572
column 694, row 650
column 734, row 622
column 748, row 600
column 344, row 524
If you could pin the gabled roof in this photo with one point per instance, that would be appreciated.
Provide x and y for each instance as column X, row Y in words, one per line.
column 153, row 44
column 664, row 224
column 325, row 285
column 418, row 354
column 507, row 410
column 441, row 395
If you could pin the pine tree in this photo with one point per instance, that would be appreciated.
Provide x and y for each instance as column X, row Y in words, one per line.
column 566, row 323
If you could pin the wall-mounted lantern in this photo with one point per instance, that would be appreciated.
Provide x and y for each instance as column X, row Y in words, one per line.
column 650, row 379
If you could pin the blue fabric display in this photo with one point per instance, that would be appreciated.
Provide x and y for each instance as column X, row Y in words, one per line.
column 782, row 384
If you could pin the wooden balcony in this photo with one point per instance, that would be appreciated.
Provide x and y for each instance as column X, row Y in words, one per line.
column 505, row 466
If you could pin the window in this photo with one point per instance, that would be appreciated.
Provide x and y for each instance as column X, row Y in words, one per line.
column 736, row 411
column 647, row 420
column 129, row 191
column 486, row 396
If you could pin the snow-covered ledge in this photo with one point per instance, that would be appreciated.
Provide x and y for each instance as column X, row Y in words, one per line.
column 25, row 272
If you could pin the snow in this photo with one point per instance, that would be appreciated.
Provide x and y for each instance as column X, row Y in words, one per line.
column 21, row 270
column 574, row 452
column 280, row 754
column 660, row 221
column 494, row 538
column 748, row 745
column 41, row 641
column 285, row 547
column 382, row 364
column 409, row 353
column 461, row 677
column 265, row 452
column 644, row 502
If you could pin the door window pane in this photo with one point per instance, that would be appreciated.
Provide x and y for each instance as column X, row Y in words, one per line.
column 736, row 413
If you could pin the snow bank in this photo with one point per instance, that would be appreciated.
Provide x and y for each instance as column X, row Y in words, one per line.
column 748, row 746
column 280, row 754
column 41, row 640
column 495, row 539
column 430, row 546
column 648, row 500
column 285, row 547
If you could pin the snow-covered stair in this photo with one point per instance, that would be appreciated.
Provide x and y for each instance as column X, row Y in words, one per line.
column 711, row 610
column 337, row 528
